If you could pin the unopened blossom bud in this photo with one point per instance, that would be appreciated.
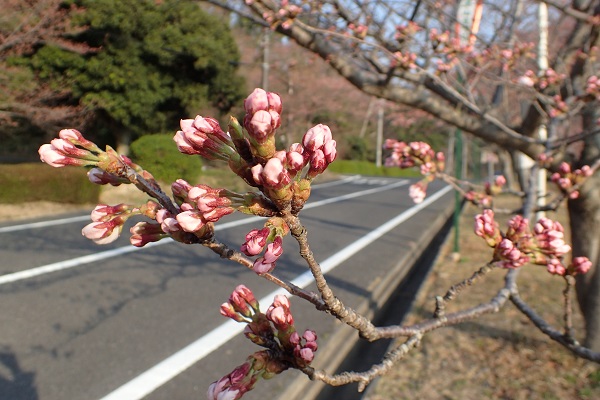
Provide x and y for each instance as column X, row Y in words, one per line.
column 234, row 385
column 274, row 251
column 318, row 163
column 487, row 228
column 564, row 168
column 295, row 161
column 274, row 175
column 57, row 158
column 279, row 313
column 190, row 221
column 75, row 137
column 417, row 192
column 581, row 265
column 100, row 177
column 203, row 136
column 316, row 137
column 257, row 100
column 260, row 126
column 103, row 232
column 143, row 233
column 260, row 266
column 555, row 267
column 227, row 310
column 510, row 255
column 255, row 241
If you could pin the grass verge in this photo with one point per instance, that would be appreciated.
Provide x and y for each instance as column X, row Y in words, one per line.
column 368, row 168
column 500, row 356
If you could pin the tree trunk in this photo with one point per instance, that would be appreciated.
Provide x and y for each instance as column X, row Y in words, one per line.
column 584, row 214
column 123, row 139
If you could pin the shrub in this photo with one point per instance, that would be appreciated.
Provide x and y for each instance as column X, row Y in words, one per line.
column 159, row 154
column 34, row 182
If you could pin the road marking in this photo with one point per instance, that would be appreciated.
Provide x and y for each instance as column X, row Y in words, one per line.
column 44, row 224
column 75, row 262
column 62, row 221
column 175, row 364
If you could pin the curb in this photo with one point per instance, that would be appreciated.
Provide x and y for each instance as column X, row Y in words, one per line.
column 343, row 341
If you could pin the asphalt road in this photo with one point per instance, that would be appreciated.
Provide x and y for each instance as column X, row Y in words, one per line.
column 81, row 321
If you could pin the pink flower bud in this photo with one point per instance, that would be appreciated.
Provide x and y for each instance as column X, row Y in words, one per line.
column 260, row 126
column 274, row 174
column 581, row 265
column 102, row 232
column 257, row 100
column 143, row 233
column 190, row 221
column 100, row 177
column 262, row 267
column 564, row 168
column 255, row 241
column 417, row 192
column 274, row 251
column 316, row 137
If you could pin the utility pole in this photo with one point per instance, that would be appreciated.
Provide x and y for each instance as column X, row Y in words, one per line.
column 265, row 58
column 378, row 153
column 543, row 129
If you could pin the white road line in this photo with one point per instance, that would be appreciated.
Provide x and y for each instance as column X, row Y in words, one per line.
column 172, row 366
column 75, row 262
column 62, row 221
column 44, row 224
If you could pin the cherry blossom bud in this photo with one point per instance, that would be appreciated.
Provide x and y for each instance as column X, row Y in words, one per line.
column 103, row 232
column 274, row 251
column 555, row 267
column 417, row 192
column 255, row 241
column 260, row 266
column 274, row 175
column 57, row 158
column 190, row 221
column 257, row 100
column 581, row 265
column 316, row 137
column 75, row 137
column 143, row 233
column 511, row 256
column 100, row 177
column 103, row 212
column 564, row 168
column 228, row 310
column 485, row 225
column 260, row 126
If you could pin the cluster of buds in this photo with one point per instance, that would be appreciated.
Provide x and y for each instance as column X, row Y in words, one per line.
column 108, row 167
column 405, row 32
column 495, row 187
column 270, row 237
column 273, row 330
column 558, row 108
column 249, row 152
column 200, row 204
column 358, row 30
column 519, row 245
column 415, row 154
column 285, row 15
column 107, row 221
column 244, row 377
column 70, row 148
column 592, row 87
column 568, row 180
column 404, row 60
column 449, row 47
column 547, row 78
